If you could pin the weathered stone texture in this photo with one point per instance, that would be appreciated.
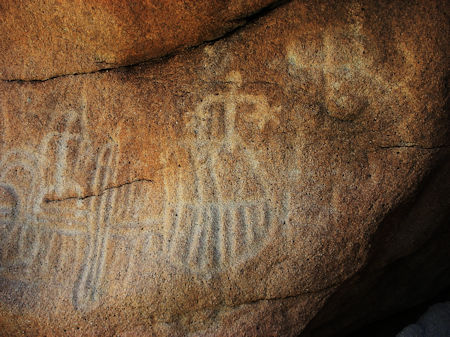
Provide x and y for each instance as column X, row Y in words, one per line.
column 41, row 39
column 227, row 190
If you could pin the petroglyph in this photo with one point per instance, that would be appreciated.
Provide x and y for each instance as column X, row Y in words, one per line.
column 218, row 209
column 86, row 287
column 18, row 172
column 8, row 204
column 50, row 241
column 334, row 62
column 211, row 208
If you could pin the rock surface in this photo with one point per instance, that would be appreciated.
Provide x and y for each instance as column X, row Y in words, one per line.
column 40, row 39
column 409, row 264
column 228, row 190
column 434, row 323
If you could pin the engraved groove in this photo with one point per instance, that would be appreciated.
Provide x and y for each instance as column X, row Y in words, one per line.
column 249, row 230
column 209, row 239
column 215, row 226
column 222, row 241
column 131, row 256
column 194, row 240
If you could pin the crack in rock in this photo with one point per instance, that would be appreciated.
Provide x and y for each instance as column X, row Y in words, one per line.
column 414, row 146
column 279, row 298
column 49, row 200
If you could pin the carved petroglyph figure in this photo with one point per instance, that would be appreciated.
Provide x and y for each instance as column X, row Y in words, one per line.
column 334, row 60
column 218, row 205
column 86, row 288
column 66, row 234
column 18, row 173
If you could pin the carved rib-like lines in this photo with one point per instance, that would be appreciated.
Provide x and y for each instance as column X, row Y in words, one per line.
column 206, row 230
column 85, row 291
column 213, row 235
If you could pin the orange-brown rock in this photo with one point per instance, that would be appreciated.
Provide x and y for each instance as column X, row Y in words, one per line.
column 228, row 190
column 40, row 39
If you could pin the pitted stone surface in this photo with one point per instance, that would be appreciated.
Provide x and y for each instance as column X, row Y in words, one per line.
column 41, row 39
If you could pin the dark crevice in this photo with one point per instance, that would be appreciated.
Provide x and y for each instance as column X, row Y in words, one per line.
column 243, row 22
column 49, row 200
column 393, row 324
column 246, row 21
column 414, row 146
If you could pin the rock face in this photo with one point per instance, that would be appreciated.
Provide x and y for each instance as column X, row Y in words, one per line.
column 42, row 39
column 434, row 323
column 228, row 190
